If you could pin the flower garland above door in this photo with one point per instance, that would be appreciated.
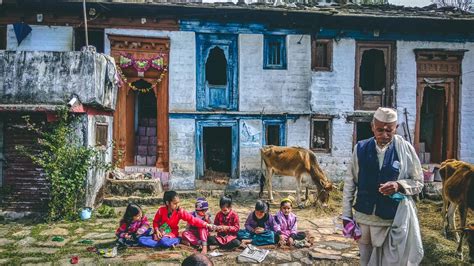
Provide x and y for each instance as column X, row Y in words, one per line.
column 142, row 65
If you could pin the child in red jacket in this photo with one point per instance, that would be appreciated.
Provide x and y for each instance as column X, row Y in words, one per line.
column 166, row 223
column 227, row 226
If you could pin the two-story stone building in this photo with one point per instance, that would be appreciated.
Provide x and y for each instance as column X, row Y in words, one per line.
column 204, row 86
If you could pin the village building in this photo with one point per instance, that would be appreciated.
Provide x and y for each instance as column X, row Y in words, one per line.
column 204, row 86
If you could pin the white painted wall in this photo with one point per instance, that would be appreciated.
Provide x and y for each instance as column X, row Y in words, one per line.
column 182, row 67
column 42, row 38
column 275, row 91
column 182, row 153
column 332, row 93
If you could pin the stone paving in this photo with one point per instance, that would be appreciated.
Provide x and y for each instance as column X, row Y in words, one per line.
column 34, row 243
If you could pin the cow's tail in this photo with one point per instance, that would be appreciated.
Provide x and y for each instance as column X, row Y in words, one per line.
column 262, row 176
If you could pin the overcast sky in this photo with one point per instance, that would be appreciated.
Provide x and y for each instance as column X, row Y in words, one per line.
column 410, row 2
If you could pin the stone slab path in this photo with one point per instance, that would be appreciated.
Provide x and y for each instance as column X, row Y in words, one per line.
column 30, row 243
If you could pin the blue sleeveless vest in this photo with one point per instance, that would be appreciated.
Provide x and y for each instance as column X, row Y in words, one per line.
column 370, row 177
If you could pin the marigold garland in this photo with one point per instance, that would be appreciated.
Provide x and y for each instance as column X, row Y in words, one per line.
column 141, row 65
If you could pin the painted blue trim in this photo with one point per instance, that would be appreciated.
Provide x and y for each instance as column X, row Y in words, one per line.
column 204, row 116
column 257, row 28
column 338, row 34
column 268, row 53
column 234, row 28
column 200, row 125
column 282, row 131
column 227, row 95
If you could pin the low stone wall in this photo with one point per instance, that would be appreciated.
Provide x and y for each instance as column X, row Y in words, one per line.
column 151, row 187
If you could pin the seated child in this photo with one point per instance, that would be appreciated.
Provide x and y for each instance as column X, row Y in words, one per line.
column 227, row 226
column 166, row 223
column 259, row 227
column 286, row 225
column 198, row 236
column 132, row 226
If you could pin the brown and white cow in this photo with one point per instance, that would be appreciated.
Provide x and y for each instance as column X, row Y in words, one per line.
column 458, row 191
column 293, row 161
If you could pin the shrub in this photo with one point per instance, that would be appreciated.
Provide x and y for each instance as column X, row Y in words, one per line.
column 65, row 161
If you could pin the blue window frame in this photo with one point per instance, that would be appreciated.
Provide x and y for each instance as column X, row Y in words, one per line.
column 201, row 125
column 274, row 52
column 274, row 132
column 216, row 68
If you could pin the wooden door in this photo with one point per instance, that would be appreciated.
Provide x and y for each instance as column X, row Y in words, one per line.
column 445, row 135
column 124, row 116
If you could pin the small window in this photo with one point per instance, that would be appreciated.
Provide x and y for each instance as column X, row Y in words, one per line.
column 274, row 52
column 95, row 38
column 321, row 55
column 101, row 134
column 374, row 75
column 216, row 67
column 3, row 37
column 274, row 132
column 321, row 135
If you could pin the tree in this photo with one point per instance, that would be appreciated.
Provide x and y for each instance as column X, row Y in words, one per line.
column 464, row 5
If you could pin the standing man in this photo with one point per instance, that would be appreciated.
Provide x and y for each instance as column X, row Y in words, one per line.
column 386, row 172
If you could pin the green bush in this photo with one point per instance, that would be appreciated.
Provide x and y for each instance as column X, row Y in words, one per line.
column 66, row 161
column 105, row 211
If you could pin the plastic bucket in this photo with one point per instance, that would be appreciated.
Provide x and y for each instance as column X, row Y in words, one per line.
column 86, row 213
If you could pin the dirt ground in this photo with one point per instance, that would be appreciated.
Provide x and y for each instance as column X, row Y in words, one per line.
column 33, row 242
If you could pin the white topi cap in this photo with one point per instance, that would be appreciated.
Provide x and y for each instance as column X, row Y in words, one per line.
column 386, row 115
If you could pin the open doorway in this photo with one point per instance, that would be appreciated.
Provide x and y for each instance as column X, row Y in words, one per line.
column 433, row 128
column 363, row 130
column 145, row 125
column 217, row 148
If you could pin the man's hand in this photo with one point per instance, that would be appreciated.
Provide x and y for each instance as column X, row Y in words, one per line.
column 389, row 188
column 259, row 230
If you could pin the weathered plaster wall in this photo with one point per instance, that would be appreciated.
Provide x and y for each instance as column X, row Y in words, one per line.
column 250, row 144
column 182, row 153
column 96, row 177
column 406, row 89
column 332, row 93
column 42, row 38
column 56, row 77
column 274, row 91
column 182, row 67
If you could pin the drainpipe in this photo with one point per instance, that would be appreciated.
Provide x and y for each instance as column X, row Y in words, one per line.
column 85, row 22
